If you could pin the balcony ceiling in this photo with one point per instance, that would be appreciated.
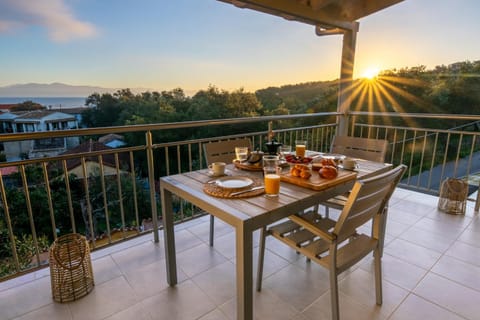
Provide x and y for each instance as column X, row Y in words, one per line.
column 324, row 14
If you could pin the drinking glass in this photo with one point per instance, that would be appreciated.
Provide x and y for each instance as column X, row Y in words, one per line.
column 271, row 171
column 284, row 150
column 300, row 148
column 241, row 153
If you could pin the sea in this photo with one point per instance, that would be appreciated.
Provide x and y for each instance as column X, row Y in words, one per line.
column 49, row 102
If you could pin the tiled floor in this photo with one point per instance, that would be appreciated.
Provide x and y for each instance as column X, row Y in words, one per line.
column 431, row 271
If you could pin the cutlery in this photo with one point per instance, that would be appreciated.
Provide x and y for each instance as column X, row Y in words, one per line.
column 247, row 190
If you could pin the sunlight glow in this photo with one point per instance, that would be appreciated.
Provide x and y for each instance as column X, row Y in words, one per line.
column 371, row 73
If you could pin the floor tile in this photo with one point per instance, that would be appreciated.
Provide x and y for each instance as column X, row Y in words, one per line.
column 185, row 301
column 450, row 295
column 25, row 298
column 427, row 239
column 442, row 227
column 360, row 286
column 218, row 282
column 104, row 300
column 150, row 279
column 137, row 256
column 198, row 259
column 296, row 286
column 459, row 271
column 465, row 252
column 137, row 312
column 350, row 309
column 397, row 271
column 412, row 253
column 471, row 236
column 105, row 269
column 52, row 311
column 416, row 308
column 214, row 315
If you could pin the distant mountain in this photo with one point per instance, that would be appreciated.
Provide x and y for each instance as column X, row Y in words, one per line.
column 55, row 90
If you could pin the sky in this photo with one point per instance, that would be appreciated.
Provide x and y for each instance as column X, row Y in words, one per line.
column 193, row 44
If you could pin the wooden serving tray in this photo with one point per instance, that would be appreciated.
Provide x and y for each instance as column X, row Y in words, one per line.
column 248, row 166
column 315, row 182
column 253, row 167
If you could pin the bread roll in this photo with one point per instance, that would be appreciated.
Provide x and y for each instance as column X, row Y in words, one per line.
column 328, row 172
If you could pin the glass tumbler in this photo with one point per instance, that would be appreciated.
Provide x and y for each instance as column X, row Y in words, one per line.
column 271, row 174
column 300, row 148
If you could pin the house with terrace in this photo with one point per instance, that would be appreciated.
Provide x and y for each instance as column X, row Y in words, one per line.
column 27, row 122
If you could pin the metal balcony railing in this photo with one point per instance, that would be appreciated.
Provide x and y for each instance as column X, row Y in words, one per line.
column 44, row 198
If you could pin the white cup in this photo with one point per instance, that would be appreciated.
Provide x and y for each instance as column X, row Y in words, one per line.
column 217, row 168
column 349, row 163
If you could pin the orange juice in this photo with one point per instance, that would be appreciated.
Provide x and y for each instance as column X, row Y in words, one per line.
column 272, row 184
column 300, row 150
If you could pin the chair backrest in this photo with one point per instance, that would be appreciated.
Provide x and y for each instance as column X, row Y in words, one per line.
column 368, row 198
column 224, row 151
column 363, row 148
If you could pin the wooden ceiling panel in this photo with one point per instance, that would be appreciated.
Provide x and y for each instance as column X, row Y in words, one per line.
column 324, row 13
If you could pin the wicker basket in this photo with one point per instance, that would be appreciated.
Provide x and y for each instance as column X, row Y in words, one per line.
column 70, row 268
column 453, row 196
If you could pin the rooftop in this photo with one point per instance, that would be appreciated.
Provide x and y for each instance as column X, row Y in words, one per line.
column 431, row 270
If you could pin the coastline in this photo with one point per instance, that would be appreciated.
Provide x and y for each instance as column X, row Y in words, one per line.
column 49, row 102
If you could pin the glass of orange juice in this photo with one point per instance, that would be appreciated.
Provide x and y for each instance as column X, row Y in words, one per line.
column 300, row 148
column 271, row 174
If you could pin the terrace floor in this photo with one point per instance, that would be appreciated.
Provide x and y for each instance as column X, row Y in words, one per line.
column 431, row 270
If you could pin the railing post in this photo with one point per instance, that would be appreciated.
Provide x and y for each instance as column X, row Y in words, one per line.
column 151, row 182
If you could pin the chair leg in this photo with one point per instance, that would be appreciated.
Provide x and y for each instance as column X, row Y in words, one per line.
column 334, row 294
column 378, row 275
column 327, row 212
column 212, row 227
column 261, row 256
column 384, row 229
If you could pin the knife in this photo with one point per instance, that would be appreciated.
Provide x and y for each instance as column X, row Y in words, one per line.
column 247, row 190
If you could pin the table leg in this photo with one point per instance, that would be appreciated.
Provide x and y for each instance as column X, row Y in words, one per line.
column 244, row 267
column 169, row 236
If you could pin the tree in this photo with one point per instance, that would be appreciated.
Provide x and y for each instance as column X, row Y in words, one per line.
column 27, row 106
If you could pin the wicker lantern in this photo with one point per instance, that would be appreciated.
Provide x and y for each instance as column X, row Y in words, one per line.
column 70, row 268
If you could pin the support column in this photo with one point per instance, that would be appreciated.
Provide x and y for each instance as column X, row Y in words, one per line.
column 346, row 79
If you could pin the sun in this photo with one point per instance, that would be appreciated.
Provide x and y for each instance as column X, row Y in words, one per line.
column 371, row 73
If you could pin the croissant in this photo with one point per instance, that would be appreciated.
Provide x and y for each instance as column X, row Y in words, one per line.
column 328, row 172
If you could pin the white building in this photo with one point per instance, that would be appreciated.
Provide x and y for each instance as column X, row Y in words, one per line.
column 37, row 121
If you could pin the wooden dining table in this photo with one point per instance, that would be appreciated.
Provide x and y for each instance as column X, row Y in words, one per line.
column 247, row 214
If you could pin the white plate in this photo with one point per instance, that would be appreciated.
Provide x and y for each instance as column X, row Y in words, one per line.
column 234, row 182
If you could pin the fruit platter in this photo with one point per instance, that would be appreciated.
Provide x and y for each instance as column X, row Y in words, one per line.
column 293, row 159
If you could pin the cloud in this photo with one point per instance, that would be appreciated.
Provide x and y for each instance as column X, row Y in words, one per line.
column 53, row 15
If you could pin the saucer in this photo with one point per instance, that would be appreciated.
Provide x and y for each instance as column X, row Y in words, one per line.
column 211, row 174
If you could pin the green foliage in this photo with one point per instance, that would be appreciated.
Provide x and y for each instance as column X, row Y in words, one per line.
column 27, row 106
column 445, row 89
column 25, row 249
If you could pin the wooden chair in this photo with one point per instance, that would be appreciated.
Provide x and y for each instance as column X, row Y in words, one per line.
column 222, row 151
column 336, row 245
column 363, row 148
column 355, row 147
